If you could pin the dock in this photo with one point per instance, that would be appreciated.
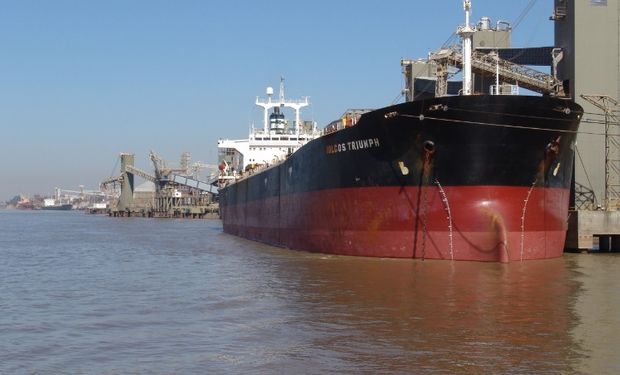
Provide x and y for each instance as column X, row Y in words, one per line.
column 167, row 192
column 587, row 228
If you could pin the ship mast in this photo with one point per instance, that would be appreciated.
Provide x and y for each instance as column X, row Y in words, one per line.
column 466, row 33
column 281, row 91
column 268, row 104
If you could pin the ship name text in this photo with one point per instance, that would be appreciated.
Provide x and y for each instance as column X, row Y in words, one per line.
column 360, row 144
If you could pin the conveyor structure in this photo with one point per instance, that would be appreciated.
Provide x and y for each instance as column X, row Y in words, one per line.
column 492, row 64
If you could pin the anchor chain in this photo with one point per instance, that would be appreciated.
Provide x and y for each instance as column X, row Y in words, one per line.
column 446, row 204
column 527, row 198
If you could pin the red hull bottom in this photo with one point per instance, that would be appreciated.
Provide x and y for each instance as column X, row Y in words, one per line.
column 489, row 223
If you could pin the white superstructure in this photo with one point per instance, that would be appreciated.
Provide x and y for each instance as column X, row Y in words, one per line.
column 275, row 141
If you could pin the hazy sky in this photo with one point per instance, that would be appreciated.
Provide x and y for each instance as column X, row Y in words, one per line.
column 81, row 81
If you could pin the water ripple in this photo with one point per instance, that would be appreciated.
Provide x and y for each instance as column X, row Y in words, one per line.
column 91, row 294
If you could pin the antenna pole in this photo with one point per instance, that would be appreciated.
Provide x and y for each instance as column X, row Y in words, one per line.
column 466, row 33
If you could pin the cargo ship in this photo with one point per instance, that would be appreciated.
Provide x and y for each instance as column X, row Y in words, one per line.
column 464, row 177
column 57, row 207
column 56, row 204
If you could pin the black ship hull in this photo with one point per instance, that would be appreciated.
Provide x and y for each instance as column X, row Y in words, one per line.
column 60, row 207
column 468, row 177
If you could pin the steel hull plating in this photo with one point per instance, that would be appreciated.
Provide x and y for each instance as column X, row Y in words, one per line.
column 465, row 178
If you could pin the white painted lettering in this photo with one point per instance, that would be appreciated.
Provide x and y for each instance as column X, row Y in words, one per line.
column 354, row 145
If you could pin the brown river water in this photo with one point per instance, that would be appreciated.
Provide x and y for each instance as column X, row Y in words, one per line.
column 99, row 295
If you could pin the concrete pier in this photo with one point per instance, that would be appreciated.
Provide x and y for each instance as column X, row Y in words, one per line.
column 585, row 227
